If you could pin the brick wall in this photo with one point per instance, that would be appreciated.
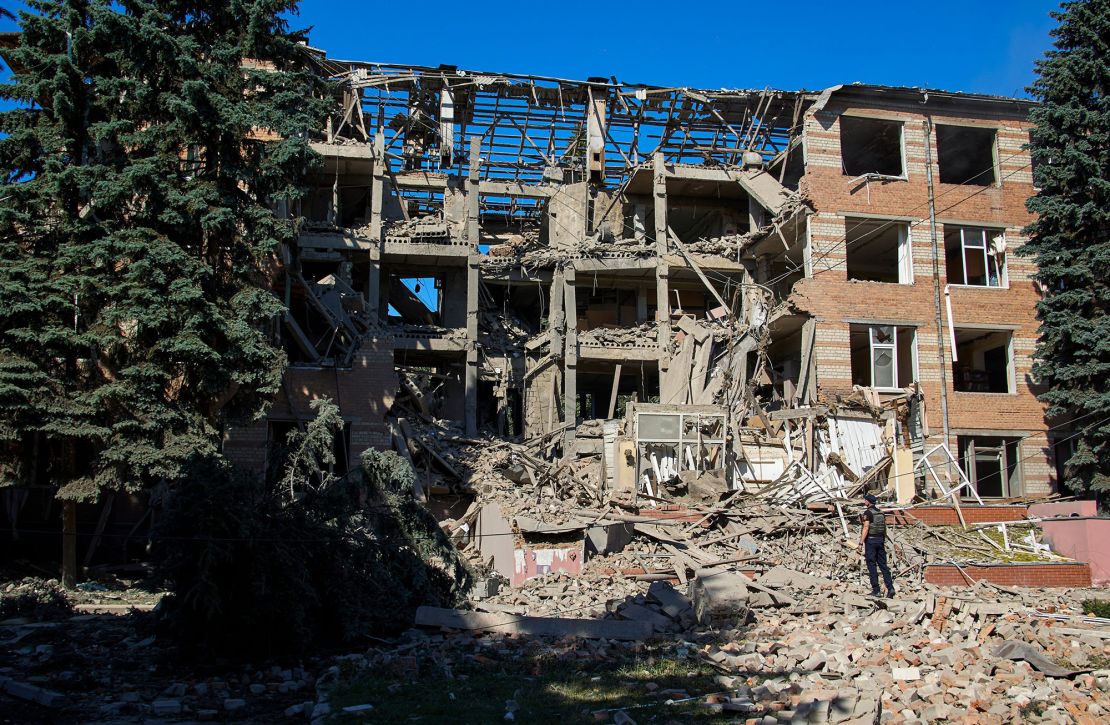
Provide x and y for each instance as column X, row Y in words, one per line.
column 364, row 392
column 946, row 515
column 837, row 302
column 1072, row 575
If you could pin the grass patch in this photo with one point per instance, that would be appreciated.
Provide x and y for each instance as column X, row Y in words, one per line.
column 546, row 688
column 1016, row 535
column 1096, row 607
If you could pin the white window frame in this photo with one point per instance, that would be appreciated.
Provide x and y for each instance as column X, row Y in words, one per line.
column 1011, row 362
column 984, row 246
column 905, row 254
column 970, row 455
column 892, row 348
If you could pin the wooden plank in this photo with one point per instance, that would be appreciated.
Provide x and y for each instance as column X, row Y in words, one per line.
column 613, row 393
column 533, row 626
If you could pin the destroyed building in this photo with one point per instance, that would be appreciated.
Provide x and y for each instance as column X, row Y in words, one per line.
column 724, row 288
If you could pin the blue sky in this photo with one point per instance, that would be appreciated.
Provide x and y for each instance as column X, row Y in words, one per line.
column 972, row 46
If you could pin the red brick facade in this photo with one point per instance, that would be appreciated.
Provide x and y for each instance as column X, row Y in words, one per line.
column 947, row 516
column 1072, row 575
column 837, row 302
column 363, row 392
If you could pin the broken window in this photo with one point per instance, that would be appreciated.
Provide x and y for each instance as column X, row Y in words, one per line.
column 975, row 256
column 984, row 361
column 965, row 155
column 871, row 146
column 668, row 443
column 992, row 464
column 878, row 251
column 883, row 356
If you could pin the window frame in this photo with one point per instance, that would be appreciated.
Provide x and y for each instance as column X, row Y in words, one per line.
column 903, row 253
column 901, row 123
column 1011, row 363
column 988, row 258
column 892, row 348
column 996, row 166
column 970, row 452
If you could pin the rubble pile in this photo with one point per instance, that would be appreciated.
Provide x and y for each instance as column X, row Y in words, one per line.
column 502, row 332
column 640, row 335
column 32, row 597
column 413, row 228
column 794, row 647
column 727, row 245
column 928, row 655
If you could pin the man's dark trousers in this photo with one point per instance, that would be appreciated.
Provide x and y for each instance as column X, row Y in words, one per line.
column 874, row 549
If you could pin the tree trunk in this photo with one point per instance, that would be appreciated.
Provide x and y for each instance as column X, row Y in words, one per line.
column 69, row 544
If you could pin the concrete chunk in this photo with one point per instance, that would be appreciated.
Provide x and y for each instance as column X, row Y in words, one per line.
column 32, row 693
column 638, row 613
column 781, row 576
column 536, row 626
column 674, row 602
column 719, row 597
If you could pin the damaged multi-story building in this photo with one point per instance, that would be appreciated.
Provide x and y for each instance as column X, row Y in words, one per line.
column 671, row 279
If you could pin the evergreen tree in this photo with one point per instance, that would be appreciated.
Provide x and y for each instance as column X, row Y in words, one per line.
column 1070, row 240
column 137, row 234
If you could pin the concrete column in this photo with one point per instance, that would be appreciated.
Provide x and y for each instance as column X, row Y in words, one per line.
column 662, row 282
column 641, row 304
column 377, row 188
column 663, row 313
column 377, row 191
column 470, row 384
column 570, row 359
column 472, row 236
column 659, row 187
column 473, row 178
column 595, row 135
column 755, row 214
column 762, row 269
column 446, row 129
column 373, row 285
column 555, row 322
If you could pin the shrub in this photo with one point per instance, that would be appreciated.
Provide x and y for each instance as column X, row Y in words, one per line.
column 308, row 561
column 1097, row 607
column 34, row 598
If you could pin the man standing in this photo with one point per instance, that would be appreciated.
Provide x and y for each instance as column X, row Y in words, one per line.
column 872, row 542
